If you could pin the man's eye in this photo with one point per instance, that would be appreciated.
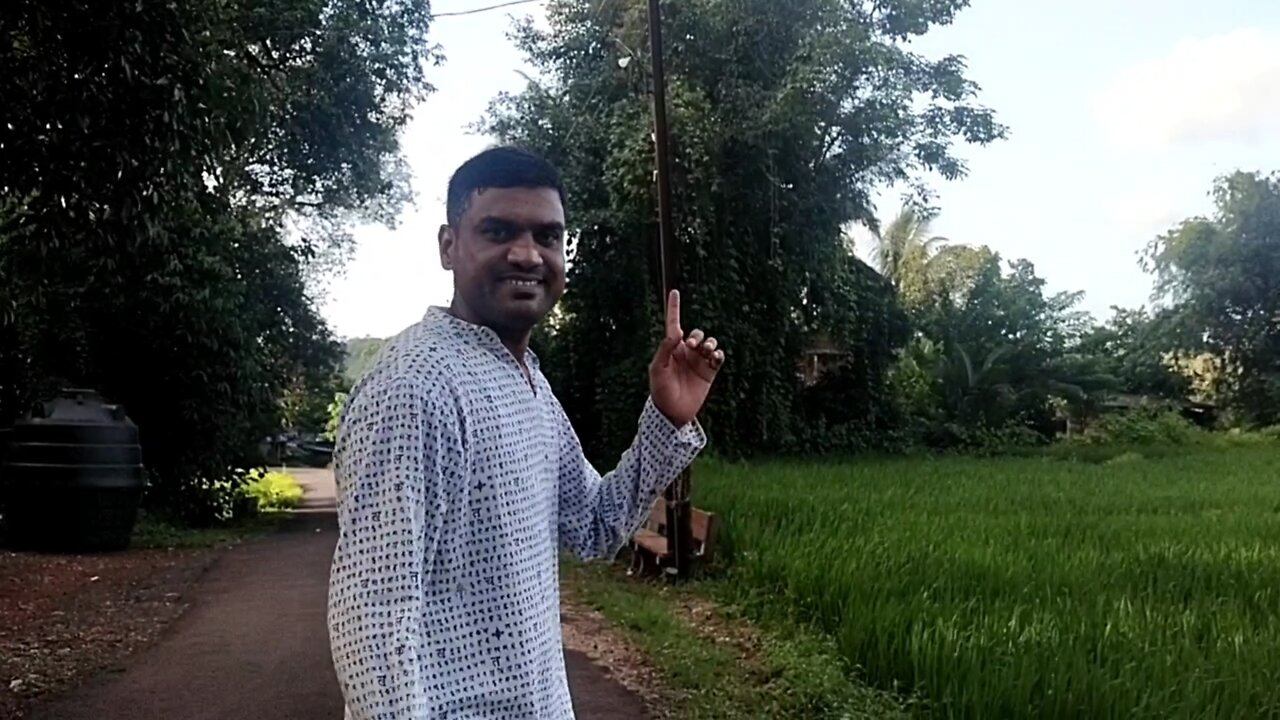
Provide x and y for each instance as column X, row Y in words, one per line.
column 498, row 232
column 549, row 239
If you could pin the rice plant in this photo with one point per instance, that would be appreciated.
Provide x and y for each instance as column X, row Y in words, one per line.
column 1029, row 587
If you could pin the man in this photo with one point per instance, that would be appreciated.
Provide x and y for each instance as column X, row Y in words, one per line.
column 460, row 478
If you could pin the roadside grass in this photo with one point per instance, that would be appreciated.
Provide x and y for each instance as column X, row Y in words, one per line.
column 152, row 533
column 270, row 496
column 714, row 664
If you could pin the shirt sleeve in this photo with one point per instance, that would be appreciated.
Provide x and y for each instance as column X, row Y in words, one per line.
column 398, row 451
column 599, row 514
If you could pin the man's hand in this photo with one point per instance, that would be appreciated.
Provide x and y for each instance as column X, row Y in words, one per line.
column 683, row 369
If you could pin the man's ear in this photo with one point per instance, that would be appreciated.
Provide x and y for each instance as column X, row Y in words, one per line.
column 448, row 243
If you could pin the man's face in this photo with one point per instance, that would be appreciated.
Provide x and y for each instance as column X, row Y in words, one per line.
column 507, row 257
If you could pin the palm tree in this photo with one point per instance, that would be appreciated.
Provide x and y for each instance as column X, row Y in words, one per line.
column 904, row 248
column 989, row 392
column 977, row 394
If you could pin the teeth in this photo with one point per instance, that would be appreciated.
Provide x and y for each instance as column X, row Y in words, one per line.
column 524, row 283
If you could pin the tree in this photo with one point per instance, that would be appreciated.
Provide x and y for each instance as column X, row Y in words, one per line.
column 785, row 117
column 171, row 174
column 1220, row 277
column 970, row 301
column 905, row 248
column 852, row 406
column 361, row 352
column 1136, row 348
column 1005, row 349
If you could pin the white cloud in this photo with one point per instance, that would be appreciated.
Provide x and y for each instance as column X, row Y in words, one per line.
column 1145, row 213
column 1220, row 88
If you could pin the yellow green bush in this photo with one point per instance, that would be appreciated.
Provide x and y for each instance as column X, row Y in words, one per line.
column 275, row 491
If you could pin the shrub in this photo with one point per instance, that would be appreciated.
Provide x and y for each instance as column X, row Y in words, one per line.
column 274, row 491
column 198, row 501
column 1126, row 458
column 1239, row 437
column 981, row 440
column 1141, row 429
column 820, row 438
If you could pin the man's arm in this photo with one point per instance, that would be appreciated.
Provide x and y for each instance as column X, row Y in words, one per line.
column 598, row 514
column 399, row 450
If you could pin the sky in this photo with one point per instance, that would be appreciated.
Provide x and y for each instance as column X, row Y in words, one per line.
column 1121, row 113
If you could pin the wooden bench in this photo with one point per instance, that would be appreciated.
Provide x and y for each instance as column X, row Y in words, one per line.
column 651, row 540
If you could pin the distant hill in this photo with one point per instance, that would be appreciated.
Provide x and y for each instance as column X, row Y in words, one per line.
column 361, row 353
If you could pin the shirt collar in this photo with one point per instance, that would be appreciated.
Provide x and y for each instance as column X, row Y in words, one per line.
column 480, row 335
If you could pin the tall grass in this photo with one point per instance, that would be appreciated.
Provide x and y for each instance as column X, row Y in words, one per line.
column 1025, row 587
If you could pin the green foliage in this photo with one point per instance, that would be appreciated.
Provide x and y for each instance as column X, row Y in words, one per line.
column 851, row 406
column 1133, row 347
column 1002, row 320
column 1221, row 277
column 1270, row 433
column 912, row 379
column 334, row 421
column 361, row 352
column 154, row 533
column 172, row 175
column 905, row 248
column 1007, row 439
column 274, row 491
column 1023, row 588
column 232, row 499
column 1140, row 429
column 785, row 118
column 202, row 501
column 307, row 403
column 995, row 359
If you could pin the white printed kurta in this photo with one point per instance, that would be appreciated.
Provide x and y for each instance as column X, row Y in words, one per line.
column 458, row 482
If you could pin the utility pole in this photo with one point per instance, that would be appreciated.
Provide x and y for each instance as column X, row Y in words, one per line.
column 679, row 509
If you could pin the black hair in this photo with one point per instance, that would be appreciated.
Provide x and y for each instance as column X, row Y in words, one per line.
column 499, row 167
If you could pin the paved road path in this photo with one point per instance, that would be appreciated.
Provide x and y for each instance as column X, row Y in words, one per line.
column 254, row 645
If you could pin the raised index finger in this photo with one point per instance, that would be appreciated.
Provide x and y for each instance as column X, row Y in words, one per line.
column 673, row 315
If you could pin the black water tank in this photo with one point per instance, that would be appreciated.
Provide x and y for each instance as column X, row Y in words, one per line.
column 72, row 477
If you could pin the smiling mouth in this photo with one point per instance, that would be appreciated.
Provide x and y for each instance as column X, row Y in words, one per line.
column 523, row 288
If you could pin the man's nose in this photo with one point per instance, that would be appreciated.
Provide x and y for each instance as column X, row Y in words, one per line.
column 524, row 253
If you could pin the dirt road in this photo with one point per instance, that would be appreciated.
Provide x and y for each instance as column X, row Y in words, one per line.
column 254, row 643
